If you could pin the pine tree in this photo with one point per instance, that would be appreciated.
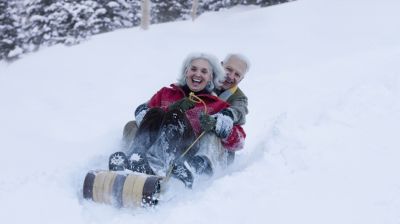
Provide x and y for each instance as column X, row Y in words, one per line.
column 37, row 28
column 166, row 11
column 26, row 25
column 9, row 25
column 216, row 5
column 59, row 21
column 263, row 3
column 110, row 15
column 84, row 20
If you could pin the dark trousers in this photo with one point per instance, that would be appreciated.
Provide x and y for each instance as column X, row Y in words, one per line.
column 163, row 137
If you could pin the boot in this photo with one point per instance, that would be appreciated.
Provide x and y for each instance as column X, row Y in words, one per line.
column 201, row 164
column 138, row 163
column 182, row 173
column 117, row 161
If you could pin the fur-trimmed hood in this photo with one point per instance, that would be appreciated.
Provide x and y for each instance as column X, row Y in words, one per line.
column 218, row 71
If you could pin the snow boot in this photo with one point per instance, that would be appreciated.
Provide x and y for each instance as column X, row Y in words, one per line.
column 117, row 161
column 182, row 173
column 138, row 163
column 201, row 164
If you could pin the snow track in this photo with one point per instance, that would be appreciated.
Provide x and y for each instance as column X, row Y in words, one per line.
column 322, row 144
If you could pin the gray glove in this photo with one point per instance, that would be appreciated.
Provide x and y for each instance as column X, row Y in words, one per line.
column 224, row 123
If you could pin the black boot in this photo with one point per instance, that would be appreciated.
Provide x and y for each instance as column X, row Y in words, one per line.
column 181, row 172
column 117, row 161
column 140, row 164
column 201, row 164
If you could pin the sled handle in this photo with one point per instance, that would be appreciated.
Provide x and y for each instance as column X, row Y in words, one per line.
column 197, row 99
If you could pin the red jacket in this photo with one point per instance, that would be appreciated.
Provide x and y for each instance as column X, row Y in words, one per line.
column 168, row 95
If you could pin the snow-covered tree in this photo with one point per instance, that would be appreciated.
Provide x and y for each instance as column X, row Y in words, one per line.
column 27, row 25
column 36, row 26
column 263, row 3
column 9, row 29
column 112, row 14
column 166, row 11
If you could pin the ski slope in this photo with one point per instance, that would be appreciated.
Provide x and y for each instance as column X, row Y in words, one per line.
column 323, row 127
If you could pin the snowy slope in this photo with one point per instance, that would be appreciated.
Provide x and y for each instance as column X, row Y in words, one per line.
column 322, row 144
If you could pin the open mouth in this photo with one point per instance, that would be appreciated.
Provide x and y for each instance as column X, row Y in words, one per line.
column 197, row 80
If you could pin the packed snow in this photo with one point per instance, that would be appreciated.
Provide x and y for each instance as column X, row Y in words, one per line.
column 323, row 128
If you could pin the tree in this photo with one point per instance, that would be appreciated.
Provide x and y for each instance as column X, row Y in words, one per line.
column 9, row 26
column 166, row 11
column 36, row 25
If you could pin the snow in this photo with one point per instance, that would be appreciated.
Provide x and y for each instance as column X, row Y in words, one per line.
column 322, row 143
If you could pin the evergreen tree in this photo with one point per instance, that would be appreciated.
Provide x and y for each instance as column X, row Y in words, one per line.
column 26, row 25
column 59, row 21
column 85, row 20
column 36, row 27
column 110, row 15
column 216, row 5
column 166, row 11
column 9, row 25
column 263, row 3
column 133, row 12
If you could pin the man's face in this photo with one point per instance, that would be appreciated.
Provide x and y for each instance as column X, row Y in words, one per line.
column 235, row 70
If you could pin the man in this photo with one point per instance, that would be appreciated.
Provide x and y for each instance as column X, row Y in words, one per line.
column 236, row 66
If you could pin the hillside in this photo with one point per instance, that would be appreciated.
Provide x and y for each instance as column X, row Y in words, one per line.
column 324, row 117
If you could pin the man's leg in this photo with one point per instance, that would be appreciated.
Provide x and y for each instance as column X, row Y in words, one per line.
column 175, row 136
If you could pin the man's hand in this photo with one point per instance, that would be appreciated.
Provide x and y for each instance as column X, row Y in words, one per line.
column 207, row 122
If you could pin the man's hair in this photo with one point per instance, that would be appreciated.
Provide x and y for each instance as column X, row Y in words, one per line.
column 240, row 57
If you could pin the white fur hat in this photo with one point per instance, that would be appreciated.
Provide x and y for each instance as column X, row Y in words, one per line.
column 217, row 69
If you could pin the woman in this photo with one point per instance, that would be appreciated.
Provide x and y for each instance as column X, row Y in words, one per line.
column 171, row 121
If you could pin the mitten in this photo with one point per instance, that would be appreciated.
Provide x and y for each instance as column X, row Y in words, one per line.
column 224, row 123
column 207, row 122
column 182, row 105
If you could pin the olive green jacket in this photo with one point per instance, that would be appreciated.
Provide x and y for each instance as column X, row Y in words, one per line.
column 238, row 101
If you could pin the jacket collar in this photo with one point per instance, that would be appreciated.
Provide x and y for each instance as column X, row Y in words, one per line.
column 185, row 90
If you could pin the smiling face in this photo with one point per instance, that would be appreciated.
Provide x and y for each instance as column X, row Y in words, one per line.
column 235, row 70
column 198, row 75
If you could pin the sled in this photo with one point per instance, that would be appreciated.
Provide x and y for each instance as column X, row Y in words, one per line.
column 122, row 189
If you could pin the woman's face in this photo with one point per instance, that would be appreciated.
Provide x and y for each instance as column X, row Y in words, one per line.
column 198, row 75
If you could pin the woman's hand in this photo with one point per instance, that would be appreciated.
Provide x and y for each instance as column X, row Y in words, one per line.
column 182, row 105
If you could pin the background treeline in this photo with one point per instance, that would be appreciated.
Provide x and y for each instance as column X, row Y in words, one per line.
column 27, row 25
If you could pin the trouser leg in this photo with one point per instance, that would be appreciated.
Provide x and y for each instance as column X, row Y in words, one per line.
column 147, row 132
column 212, row 150
column 175, row 136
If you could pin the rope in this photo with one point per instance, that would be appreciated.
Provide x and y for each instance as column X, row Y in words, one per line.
column 195, row 99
